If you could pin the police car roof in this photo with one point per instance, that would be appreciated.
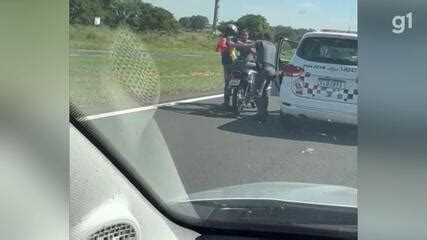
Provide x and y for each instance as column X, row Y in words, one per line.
column 332, row 33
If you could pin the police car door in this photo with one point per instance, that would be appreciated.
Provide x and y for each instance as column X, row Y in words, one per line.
column 285, row 50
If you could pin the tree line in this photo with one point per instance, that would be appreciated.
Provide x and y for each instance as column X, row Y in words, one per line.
column 257, row 25
column 196, row 22
column 138, row 15
column 142, row 17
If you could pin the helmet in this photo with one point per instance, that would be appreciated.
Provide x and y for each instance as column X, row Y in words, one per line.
column 231, row 29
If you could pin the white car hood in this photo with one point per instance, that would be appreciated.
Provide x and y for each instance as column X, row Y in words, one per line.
column 318, row 194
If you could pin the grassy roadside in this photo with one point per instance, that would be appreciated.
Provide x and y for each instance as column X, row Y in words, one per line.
column 92, row 82
column 101, row 38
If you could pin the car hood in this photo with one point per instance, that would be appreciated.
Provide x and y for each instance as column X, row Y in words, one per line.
column 318, row 194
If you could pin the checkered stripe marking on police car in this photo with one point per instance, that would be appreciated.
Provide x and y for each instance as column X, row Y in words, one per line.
column 341, row 94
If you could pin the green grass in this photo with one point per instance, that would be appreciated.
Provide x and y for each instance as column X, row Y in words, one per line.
column 101, row 38
column 183, row 76
column 93, row 83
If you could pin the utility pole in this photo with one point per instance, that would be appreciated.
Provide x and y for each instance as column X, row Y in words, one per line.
column 215, row 18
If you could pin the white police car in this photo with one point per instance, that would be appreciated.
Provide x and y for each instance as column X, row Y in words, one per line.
column 320, row 81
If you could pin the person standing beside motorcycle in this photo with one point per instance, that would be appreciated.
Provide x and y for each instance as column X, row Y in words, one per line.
column 266, row 64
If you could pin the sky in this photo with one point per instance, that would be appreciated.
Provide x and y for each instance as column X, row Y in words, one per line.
column 316, row 14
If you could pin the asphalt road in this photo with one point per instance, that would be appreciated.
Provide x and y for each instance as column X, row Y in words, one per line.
column 213, row 148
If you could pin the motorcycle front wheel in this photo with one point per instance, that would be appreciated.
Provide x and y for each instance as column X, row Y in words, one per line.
column 237, row 100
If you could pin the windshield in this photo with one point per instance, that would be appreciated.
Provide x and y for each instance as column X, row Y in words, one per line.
column 154, row 86
column 329, row 50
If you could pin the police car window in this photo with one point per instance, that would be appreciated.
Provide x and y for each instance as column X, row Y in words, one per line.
column 329, row 50
column 287, row 51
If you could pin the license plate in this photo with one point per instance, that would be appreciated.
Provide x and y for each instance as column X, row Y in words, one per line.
column 234, row 82
column 329, row 83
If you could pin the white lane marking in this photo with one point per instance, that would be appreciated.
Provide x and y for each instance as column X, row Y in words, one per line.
column 200, row 98
column 191, row 55
column 152, row 107
column 90, row 55
column 80, row 52
column 90, row 51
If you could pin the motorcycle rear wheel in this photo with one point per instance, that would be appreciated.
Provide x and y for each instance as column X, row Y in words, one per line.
column 237, row 100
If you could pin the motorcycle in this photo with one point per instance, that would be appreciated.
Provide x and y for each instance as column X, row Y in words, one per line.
column 241, row 86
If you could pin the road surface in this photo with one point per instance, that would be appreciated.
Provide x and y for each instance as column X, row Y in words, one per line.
column 213, row 148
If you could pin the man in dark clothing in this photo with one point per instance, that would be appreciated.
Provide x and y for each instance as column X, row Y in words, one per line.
column 266, row 63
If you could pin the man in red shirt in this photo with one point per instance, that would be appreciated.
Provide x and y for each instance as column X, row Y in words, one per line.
column 221, row 46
